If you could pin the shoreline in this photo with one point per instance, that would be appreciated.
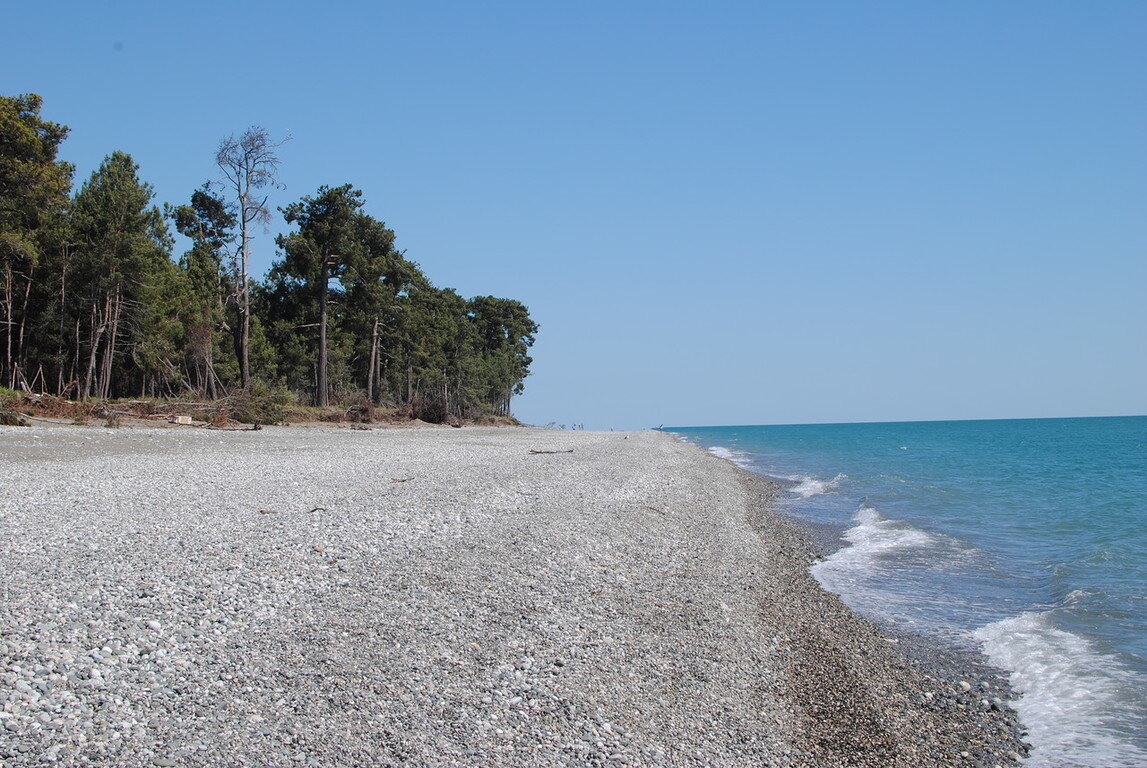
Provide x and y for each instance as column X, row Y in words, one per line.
column 950, row 660
column 927, row 686
column 440, row 597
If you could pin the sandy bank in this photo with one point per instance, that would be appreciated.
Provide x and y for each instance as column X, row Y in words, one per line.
column 331, row 597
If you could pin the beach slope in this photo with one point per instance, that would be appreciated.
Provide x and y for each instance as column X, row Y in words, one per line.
column 438, row 597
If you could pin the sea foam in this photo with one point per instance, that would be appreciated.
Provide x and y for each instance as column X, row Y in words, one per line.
column 873, row 537
column 953, row 526
column 856, row 572
column 808, row 487
column 1079, row 704
column 737, row 457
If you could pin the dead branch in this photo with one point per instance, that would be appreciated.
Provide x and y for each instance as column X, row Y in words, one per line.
column 571, row 450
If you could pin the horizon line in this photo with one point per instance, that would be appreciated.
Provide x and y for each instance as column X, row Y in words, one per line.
column 902, row 421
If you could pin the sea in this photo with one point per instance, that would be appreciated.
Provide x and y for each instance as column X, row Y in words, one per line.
column 1023, row 539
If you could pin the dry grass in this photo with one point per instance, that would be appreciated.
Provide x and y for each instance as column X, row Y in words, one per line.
column 240, row 408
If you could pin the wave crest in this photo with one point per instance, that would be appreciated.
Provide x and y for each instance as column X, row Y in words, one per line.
column 874, row 536
column 1078, row 704
column 737, row 457
column 807, row 487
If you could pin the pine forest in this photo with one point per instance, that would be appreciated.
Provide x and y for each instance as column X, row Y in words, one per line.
column 95, row 306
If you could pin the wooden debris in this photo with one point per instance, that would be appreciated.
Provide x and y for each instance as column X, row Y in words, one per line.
column 571, row 450
column 401, row 479
column 268, row 511
column 318, row 509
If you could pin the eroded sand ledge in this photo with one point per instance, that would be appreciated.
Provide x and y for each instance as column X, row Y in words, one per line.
column 433, row 597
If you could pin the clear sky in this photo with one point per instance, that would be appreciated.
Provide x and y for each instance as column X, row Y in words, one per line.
column 719, row 213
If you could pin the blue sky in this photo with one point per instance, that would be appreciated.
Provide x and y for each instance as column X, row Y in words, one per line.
column 719, row 213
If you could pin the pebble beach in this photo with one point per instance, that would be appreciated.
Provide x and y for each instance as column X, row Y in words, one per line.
column 326, row 596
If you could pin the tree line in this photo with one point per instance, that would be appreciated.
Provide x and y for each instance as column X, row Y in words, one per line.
column 93, row 303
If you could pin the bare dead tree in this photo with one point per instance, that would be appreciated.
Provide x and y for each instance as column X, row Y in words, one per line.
column 249, row 165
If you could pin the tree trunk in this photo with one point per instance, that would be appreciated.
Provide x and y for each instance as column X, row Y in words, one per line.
column 60, row 377
column 209, row 367
column 98, row 326
column 9, row 302
column 244, row 316
column 321, row 394
column 216, row 383
column 23, row 318
column 115, row 305
column 370, row 375
column 243, row 293
column 245, row 373
column 74, row 371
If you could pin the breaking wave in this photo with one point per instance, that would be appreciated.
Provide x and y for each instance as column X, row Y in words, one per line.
column 1079, row 704
column 807, row 487
column 737, row 457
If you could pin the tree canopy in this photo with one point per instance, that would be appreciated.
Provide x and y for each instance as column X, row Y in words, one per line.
column 96, row 305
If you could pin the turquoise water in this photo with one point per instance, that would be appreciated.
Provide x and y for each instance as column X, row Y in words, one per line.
column 1026, row 539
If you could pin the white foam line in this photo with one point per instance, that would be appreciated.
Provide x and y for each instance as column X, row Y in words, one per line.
column 737, row 457
column 808, row 487
column 872, row 537
column 1073, row 696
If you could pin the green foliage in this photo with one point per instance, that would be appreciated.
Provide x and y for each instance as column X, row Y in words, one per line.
column 94, row 307
column 33, row 193
column 121, row 281
column 209, row 289
column 343, row 299
column 32, row 181
column 505, row 332
column 259, row 403
column 334, row 241
column 10, row 415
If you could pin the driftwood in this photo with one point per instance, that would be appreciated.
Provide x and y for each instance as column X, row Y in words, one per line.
column 401, row 479
column 571, row 450
column 275, row 511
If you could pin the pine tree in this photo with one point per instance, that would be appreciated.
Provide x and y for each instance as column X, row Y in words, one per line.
column 120, row 265
column 210, row 223
column 34, row 188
